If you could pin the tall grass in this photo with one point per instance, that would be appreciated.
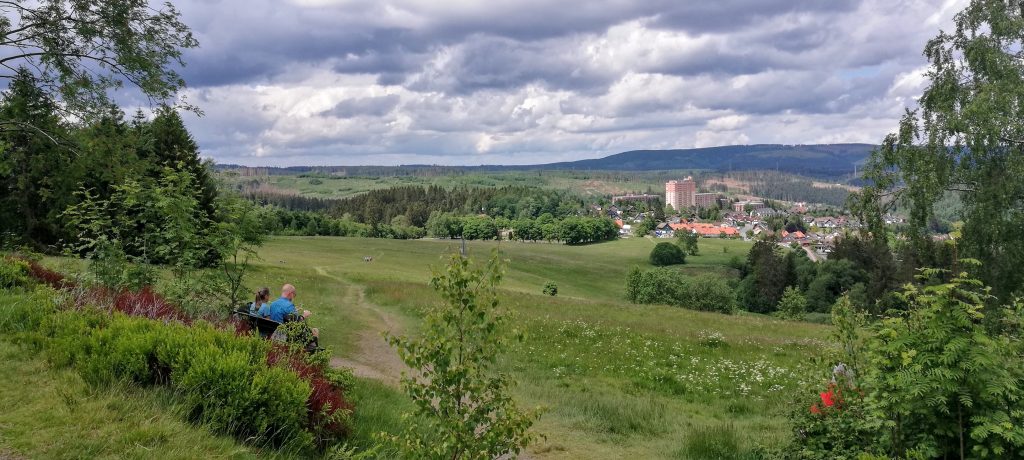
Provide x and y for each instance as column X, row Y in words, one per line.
column 53, row 413
column 713, row 442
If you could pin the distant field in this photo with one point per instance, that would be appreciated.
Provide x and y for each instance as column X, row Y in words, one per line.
column 618, row 380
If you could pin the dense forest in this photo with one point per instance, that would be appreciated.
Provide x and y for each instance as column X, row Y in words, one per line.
column 415, row 204
column 52, row 166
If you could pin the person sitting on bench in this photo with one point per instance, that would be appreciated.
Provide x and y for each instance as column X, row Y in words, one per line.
column 282, row 307
column 279, row 309
column 262, row 298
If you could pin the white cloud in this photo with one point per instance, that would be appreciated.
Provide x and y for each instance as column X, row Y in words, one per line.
column 469, row 82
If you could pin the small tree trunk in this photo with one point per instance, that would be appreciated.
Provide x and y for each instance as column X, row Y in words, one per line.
column 960, row 422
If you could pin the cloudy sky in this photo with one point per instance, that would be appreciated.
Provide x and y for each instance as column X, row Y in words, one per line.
column 386, row 82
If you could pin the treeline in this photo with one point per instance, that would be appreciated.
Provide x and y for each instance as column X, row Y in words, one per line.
column 865, row 269
column 280, row 221
column 288, row 201
column 415, row 204
column 49, row 165
column 570, row 230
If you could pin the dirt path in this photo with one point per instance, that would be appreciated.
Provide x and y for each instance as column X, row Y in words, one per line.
column 372, row 358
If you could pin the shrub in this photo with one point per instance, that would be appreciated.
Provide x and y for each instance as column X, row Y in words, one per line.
column 235, row 393
column 669, row 286
column 234, row 384
column 550, row 288
column 22, row 314
column 14, row 273
column 112, row 268
column 667, row 254
column 793, row 305
column 706, row 293
column 931, row 382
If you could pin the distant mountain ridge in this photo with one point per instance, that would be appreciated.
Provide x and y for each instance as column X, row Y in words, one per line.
column 809, row 159
column 815, row 159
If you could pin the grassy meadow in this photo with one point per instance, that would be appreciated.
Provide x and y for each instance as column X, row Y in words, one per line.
column 614, row 379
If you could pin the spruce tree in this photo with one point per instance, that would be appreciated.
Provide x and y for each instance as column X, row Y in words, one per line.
column 35, row 187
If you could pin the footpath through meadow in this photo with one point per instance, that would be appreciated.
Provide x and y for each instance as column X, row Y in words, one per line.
column 372, row 357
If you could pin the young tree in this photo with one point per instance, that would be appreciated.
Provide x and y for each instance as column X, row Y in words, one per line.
column 467, row 406
column 793, row 305
column 238, row 232
column 687, row 240
column 967, row 136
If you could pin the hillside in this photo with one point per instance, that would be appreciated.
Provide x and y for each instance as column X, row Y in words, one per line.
column 825, row 159
column 815, row 159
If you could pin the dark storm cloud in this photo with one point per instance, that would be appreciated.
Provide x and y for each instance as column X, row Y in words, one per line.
column 487, row 62
column 244, row 41
column 731, row 15
column 372, row 106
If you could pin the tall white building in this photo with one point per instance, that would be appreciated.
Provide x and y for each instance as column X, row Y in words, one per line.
column 681, row 194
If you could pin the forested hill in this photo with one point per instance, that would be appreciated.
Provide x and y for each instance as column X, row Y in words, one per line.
column 819, row 159
column 827, row 159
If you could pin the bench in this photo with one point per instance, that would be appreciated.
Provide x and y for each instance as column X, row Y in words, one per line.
column 266, row 327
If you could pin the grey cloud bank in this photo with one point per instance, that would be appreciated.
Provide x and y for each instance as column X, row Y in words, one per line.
column 513, row 82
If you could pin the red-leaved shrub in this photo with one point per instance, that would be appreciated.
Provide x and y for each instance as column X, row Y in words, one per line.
column 47, row 276
column 148, row 304
column 325, row 400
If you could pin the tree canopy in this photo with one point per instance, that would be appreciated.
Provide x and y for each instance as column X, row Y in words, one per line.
column 967, row 136
column 78, row 50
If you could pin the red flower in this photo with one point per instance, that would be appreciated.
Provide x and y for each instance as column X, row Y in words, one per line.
column 826, row 398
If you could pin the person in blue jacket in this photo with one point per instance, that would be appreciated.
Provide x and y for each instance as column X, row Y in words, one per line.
column 282, row 307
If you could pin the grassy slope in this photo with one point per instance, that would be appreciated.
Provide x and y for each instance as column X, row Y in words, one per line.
column 52, row 413
column 596, row 362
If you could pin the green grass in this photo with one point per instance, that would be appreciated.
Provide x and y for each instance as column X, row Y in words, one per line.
column 52, row 413
column 616, row 379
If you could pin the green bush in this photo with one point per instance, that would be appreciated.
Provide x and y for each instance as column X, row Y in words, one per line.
column 223, row 378
column 550, row 288
column 22, row 314
column 234, row 392
column 934, row 381
column 669, row 286
column 14, row 273
column 667, row 254
column 793, row 304
column 112, row 268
